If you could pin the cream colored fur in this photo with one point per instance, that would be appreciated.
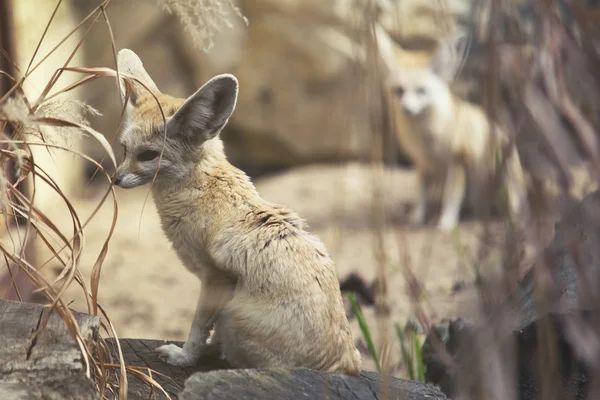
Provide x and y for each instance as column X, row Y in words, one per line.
column 449, row 140
column 269, row 288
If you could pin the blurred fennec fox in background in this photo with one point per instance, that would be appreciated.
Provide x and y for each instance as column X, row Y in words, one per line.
column 269, row 288
column 449, row 139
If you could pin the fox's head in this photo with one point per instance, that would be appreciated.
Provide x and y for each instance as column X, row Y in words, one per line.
column 419, row 81
column 190, row 124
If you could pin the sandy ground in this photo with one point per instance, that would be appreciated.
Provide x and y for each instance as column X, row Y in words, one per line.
column 147, row 293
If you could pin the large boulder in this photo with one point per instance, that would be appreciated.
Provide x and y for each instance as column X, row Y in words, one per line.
column 306, row 95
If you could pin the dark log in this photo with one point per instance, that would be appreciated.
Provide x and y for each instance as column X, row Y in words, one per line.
column 301, row 384
column 214, row 379
column 51, row 367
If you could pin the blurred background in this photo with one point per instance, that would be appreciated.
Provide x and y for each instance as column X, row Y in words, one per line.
column 314, row 127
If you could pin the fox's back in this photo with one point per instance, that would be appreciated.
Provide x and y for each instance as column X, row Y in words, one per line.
column 290, row 281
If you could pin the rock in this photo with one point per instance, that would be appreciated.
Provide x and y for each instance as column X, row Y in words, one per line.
column 327, row 195
column 301, row 384
column 355, row 283
column 303, row 96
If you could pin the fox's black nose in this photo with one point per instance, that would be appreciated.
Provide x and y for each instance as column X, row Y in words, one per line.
column 116, row 180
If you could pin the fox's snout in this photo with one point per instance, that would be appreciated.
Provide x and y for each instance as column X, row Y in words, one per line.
column 412, row 106
column 125, row 179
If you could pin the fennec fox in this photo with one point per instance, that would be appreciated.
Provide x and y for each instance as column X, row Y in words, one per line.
column 450, row 141
column 268, row 287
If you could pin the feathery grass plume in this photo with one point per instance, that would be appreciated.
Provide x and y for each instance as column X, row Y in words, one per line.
column 202, row 18
column 72, row 111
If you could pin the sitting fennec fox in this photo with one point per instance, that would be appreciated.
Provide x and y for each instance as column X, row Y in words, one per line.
column 449, row 139
column 269, row 288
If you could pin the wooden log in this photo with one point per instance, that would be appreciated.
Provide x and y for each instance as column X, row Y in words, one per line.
column 213, row 379
column 50, row 368
column 140, row 353
column 301, row 384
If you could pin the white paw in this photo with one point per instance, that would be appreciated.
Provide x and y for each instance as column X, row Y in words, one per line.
column 175, row 355
column 447, row 224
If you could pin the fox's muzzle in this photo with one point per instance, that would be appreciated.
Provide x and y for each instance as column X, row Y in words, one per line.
column 127, row 180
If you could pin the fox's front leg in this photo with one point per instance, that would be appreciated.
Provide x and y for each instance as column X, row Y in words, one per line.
column 419, row 212
column 452, row 196
column 215, row 293
column 515, row 183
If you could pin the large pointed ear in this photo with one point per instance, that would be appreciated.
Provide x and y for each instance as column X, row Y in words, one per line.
column 450, row 55
column 387, row 49
column 206, row 112
column 129, row 63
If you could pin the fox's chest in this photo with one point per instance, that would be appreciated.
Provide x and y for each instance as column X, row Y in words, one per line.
column 426, row 144
column 187, row 234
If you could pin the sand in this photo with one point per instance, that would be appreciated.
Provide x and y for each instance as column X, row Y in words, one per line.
column 147, row 293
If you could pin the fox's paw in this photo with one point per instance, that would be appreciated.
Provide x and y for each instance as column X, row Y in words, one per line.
column 175, row 355
column 447, row 224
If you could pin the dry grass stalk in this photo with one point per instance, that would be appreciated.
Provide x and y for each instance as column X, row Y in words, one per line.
column 55, row 120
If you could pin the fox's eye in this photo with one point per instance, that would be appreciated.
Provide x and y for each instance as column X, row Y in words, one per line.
column 148, row 155
column 421, row 91
column 398, row 91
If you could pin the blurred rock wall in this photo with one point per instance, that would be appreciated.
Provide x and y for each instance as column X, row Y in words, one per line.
column 302, row 87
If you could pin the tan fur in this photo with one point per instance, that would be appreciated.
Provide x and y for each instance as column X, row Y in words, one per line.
column 269, row 288
column 449, row 140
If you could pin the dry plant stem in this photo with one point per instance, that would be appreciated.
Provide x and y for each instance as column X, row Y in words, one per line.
column 42, row 225
column 76, row 239
column 59, row 71
column 37, row 48
column 381, row 300
column 554, row 42
column 414, row 292
column 78, row 227
column 94, row 212
column 30, row 70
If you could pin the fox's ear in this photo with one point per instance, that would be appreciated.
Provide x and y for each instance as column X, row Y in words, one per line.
column 449, row 55
column 386, row 47
column 129, row 63
column 207, row 111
